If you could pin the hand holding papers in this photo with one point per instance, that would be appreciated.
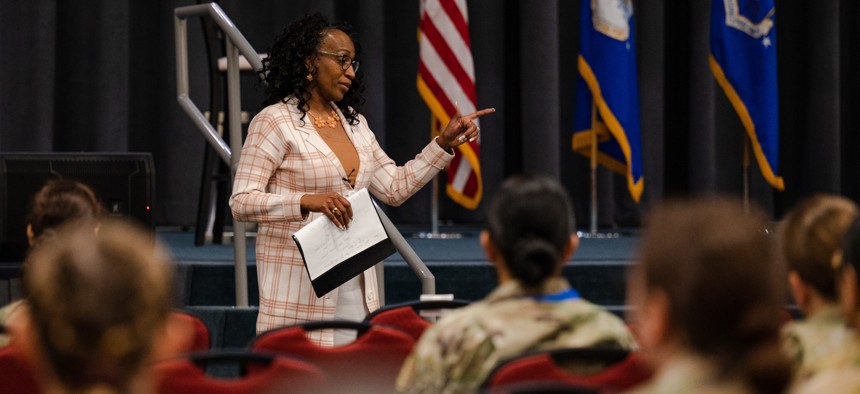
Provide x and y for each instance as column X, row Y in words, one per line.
column 332, row 256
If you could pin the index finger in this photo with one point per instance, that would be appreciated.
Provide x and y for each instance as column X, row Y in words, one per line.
column 478, row 114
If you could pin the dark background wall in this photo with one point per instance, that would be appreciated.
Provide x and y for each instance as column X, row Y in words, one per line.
column 99, row 76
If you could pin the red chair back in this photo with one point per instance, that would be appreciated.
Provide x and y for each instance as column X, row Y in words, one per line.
column 280, row 374
column 404, row 319
column 201, row 340
column 627, row 372
column 16, row 373
column 369, row 364
column 406, row 316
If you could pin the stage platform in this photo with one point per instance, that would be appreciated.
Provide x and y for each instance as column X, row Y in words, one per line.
column 596, row 269
column 207, row 287
column 206, row 283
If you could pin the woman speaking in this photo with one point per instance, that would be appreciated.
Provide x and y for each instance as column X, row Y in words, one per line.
column 307, row 149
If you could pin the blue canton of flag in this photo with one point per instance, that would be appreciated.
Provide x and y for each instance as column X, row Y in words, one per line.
column 743, row 60
column 607, row 91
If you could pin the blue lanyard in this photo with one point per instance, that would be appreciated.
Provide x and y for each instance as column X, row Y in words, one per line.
column 569, row 294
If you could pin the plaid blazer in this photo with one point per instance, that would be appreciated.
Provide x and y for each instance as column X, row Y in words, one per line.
column 284, row 158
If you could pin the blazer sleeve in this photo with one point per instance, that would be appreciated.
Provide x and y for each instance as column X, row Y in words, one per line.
column 394, row 184
column 262, row 154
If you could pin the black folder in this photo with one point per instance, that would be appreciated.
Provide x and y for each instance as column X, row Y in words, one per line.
column 348, row 268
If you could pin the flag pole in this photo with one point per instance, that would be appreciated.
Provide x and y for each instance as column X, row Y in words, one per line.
column 593, row 216
column 434, row 207
column 746, row 175
column 434, row 218
column 593, row 233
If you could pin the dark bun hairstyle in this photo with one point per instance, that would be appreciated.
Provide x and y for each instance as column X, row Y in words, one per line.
column 530, row 221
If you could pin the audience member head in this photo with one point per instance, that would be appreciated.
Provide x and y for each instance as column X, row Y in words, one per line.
column 849, row 278
column 98, row 307
column 707, row 284
column 530, row 230
column 59, row 202
column 809, row 235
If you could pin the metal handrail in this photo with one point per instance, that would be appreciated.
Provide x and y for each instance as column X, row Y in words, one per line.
column 234, row 40
column 235, row 43
column 428, row 280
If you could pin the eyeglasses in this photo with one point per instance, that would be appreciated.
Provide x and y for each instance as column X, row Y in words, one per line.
column 344, row 60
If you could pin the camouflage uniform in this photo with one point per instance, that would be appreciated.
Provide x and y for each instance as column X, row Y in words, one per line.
column 458, row 352
column 820, row 342
column 843, row 380
column 5, row 312
column 687, row 373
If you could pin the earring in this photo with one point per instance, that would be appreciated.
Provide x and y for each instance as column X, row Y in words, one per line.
column 309, row 77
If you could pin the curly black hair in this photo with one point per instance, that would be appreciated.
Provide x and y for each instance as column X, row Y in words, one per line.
column 285, row 70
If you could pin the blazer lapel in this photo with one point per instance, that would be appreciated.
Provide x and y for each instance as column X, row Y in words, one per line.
column 312, row 137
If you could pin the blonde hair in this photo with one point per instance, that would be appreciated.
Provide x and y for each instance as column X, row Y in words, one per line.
column 96, row 302
column 811, row 233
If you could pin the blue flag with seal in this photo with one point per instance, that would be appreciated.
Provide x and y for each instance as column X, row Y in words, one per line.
column 607, row 91
column 743, row 60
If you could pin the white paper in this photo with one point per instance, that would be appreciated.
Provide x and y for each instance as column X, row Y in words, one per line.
column 324, row 245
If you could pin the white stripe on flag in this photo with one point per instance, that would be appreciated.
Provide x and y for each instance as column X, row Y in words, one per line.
column 461, row 5
column 444, row 78
column 454, row 41
column 448, row 87
column 461, row 176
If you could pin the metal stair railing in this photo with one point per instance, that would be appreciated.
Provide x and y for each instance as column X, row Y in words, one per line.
column 235, row 44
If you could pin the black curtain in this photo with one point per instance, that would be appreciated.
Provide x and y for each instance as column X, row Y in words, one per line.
column 99, row 76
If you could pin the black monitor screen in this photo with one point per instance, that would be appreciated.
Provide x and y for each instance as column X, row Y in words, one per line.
column 123, row 182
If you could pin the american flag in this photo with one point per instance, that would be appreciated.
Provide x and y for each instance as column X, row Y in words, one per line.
column 446, row 80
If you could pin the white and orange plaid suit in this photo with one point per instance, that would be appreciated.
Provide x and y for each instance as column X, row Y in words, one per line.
column 284, row 158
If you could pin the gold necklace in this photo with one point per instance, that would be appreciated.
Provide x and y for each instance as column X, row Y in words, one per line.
column 330, row 121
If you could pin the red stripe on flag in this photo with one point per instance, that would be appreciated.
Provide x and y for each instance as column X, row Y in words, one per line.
column 452, row 73
column 449, row 58
column 452, row 168
column 457, row 19
column 471, row 186
column 435, row 88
